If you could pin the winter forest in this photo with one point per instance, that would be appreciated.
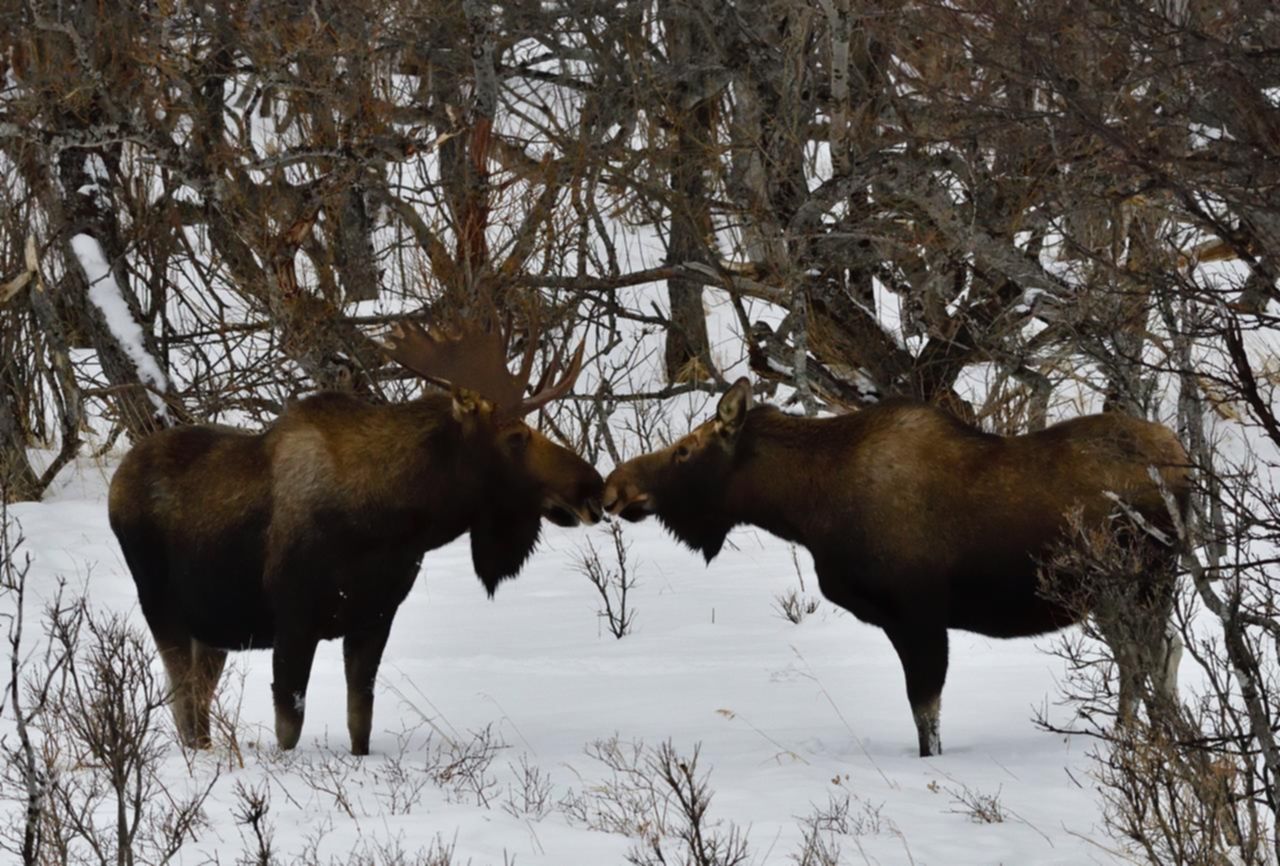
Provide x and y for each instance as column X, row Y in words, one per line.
column 1015, row 212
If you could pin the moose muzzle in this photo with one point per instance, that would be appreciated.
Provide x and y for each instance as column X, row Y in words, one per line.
column 624, row 498
column 561, row 513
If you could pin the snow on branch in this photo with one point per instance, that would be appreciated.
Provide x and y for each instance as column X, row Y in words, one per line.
column 104, row 293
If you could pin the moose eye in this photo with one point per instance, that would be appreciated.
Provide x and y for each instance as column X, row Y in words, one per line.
column 682, row 452
column 517, row 439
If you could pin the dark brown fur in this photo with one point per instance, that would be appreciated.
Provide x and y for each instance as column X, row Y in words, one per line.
column 315, row 529
column 916, row 522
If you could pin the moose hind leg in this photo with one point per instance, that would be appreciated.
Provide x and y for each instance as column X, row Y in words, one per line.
column 1129, row 674
column 1156, row 663
column 206, row 670
column 291, row 659
column 923, row 652
column 361, row 654
column 175, row 651
column 1147, row 649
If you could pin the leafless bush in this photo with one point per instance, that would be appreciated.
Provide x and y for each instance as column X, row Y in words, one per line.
column 530, row 796
column 656, row 796
column 91, row 735
column 462, row 768
column 384, row 852
column 823, row 827
column 26, row 769
column 794, row 605
column 625, row 802
column 402, row 782
column 392, row 853
column 252, row 805
column 107, row 721
column 839, row 816
column 224, row 716
column 612, row 582
column 980, row 807
column 627, row 417
column 332, row 773
column 692, row 838
column 1173, row 802
column 817, row 848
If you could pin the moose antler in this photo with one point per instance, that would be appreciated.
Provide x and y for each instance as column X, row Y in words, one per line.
column 474, row 358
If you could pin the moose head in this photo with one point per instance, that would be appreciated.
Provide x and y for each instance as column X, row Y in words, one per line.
column 684, row 484
column 526, row 476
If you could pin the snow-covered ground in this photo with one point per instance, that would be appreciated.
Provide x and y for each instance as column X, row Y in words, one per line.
column 788, row 716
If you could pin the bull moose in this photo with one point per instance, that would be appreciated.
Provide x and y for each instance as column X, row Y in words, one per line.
column 315, row 528
column 917, row 522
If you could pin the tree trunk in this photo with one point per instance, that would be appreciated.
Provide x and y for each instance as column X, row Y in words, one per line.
column 687, row 355
column 142, row 408
column 18, row 481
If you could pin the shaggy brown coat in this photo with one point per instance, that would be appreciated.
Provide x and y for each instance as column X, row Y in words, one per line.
column 917, row 523
column 315, row 529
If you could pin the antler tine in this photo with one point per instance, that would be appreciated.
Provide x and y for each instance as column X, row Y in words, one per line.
column 500, row 321
column 544, row 395
column 550, row 371
column 526, row 364
column 413, row 347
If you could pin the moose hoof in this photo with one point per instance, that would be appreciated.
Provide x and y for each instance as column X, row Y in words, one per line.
column 927, row 728
column 196, row 743
column 288, row 732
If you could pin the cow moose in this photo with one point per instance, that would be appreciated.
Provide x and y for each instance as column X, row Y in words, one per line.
column 315, row 528
column 917, row 522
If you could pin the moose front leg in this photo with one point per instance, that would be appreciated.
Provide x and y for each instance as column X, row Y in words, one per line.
column 361, row 653
column 923, row 652
column 291, row 660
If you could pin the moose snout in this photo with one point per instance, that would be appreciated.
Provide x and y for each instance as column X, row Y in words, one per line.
column 577, row 504
column 623, row 498
column 593, row 500
column 612, row 497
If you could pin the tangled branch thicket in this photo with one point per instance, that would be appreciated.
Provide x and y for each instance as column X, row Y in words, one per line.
column 1015, row 210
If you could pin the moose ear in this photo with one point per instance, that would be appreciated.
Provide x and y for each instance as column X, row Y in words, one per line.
column 734, row 406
